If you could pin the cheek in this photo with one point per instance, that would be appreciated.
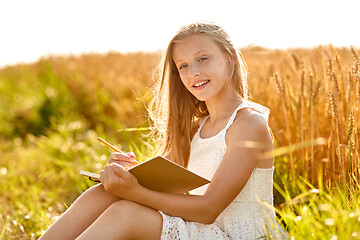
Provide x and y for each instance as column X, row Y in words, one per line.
column 183, row 77
column 185, row 83
column 224, row 71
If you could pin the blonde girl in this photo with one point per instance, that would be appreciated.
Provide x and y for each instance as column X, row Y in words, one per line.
column 206, row 123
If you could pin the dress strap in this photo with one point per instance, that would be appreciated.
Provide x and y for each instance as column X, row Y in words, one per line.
column 202, row 122
column 260, row 109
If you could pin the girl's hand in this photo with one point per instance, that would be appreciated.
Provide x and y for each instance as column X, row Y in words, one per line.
column 117, row 180
column 126, row 160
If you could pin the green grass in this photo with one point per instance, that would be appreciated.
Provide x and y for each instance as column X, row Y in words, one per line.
column 40, row 177
column 323, row 213
column 49, row 123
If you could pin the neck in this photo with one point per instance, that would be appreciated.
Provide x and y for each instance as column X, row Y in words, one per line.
column 219, row 110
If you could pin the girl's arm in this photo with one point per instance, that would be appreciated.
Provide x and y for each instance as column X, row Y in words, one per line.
column 229, row 179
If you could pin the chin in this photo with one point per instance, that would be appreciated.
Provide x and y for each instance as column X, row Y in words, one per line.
column 204, row 96
column 201, row 98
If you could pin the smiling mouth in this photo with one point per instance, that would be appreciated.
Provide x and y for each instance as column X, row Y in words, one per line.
column 201, row 83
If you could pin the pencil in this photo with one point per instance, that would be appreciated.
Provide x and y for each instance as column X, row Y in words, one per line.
column 114, row 148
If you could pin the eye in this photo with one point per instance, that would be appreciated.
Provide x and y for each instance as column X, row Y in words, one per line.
column 202, row 59
column 183, row 66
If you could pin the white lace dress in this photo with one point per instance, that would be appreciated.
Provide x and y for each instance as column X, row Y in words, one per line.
column 249, row 215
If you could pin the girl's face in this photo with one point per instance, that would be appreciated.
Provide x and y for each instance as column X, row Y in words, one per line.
column 203, row 67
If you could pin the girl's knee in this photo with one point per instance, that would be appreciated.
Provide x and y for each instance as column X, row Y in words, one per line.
column 99, row 190
column 128, row 212
column 129, row 215
column 124, row 214
column 97, row 195
column 123, row 208
column 96, row 188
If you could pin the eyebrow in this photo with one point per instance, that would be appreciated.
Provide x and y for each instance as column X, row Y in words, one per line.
column 201, row 50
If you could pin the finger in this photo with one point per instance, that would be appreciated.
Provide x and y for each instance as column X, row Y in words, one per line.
column 123, row 174
column 112, row 175
column 131, row 154
column 102, row 176
column 121, row 157
column 110, row 179
column 109, row 174
column 119, row 170
column 126, row 165
column 125, row 161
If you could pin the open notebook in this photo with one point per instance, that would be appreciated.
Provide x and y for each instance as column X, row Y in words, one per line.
column 163, row 175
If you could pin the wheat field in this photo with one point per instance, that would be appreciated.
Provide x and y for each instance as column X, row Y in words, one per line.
column 52, row 111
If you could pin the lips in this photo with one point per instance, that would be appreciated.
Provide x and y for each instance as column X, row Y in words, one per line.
column 201, row 83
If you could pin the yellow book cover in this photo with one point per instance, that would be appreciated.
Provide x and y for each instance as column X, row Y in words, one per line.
column 163, row 175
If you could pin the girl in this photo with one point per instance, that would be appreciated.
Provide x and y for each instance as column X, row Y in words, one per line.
column 206, row 124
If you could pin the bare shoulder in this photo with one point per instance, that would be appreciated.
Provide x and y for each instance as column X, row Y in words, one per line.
column 249, row 126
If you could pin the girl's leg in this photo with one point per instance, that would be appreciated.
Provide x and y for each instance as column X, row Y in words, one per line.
column 125, row 220
column 82, row 213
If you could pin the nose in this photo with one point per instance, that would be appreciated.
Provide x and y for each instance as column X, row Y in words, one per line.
column 195, row 71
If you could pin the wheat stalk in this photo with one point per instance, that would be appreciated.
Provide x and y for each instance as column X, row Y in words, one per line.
column 354, row 53
column 312, row 160
column 333, row 78
column 349, row 86
column 351, row 130
column 333, row 105
column 281, row 92
column 302, row 125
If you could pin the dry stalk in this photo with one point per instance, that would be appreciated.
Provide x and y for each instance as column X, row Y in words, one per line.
column 354, row 53
column 358, row 90
column 333, row 105
column 335, row 114
column 356, row 80
column 356, row 73
column 340, row 86
column 279, row 86
column 298, row 63
column 350, row 143
column 349, row 86
column 302, row 125
column 316, row 90
column 281, row 92
column 356, row 70
column 356, row 77
column 337, row 60
column 312, row 121
column 333, row 78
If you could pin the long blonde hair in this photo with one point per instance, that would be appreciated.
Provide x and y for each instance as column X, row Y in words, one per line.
column 174, row 111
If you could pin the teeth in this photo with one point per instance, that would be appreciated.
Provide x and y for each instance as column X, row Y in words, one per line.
column 201, row 83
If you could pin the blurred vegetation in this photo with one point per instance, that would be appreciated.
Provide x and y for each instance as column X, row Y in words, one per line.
column 52, row 111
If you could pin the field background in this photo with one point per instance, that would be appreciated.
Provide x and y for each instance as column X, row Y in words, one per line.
column 52, row 111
